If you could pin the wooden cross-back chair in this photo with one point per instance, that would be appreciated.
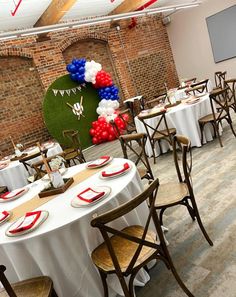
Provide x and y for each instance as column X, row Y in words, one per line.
column 133, row 147
column 39, row 166
column 220, row 111
column 231, row 85
column 25, row 160
column 154, row 131
column 130, row 249
column 39, row 286
column 198, row 87
column 180, row 192
column 74, row 152
column 129, row 124
column 220, row 77
column 190, row 81
column 161, row 99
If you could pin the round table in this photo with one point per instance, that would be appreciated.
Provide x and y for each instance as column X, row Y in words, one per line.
column 15, row 175
column 62, row 245
column 183, row 117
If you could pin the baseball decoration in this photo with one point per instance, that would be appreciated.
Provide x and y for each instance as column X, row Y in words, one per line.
column 77, row 108
column 82, row 71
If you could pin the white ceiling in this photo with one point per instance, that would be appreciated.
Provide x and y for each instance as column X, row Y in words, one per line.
column 29, row 11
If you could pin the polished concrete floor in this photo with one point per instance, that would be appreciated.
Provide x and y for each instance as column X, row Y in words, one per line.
column 207, row 271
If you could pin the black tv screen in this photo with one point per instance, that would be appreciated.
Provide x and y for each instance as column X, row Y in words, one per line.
column 222, row 32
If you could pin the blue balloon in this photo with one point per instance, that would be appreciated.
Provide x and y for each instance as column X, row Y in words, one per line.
column 73, row 76
column 81, row 70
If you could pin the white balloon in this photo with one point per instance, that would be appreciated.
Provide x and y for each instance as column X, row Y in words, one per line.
column 110, row 111
column 102, row 103
column 98, row 110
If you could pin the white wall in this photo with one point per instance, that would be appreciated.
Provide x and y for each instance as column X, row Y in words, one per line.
column 191, row 45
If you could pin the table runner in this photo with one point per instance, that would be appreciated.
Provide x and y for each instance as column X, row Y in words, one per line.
column 36, row 202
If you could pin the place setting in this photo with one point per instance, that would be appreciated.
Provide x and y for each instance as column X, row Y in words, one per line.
column 115, row 171
column 90, row 196
column 4, row 165
column 12, row 195
column 27, row 223
column 100, row 162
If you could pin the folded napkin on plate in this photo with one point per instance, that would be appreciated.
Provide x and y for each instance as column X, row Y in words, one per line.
column 8, row 195
column 3, row 215
column 117, row 170
column 28, row 222
column 99, row 161
column 89, row 195
column 3, row 165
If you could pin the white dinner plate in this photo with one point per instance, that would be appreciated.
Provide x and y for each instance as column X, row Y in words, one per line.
column 111, row 169
column 76, row 202
column 88, row 166
column 6, row 218
column 43, row 216
column 61, row 170
column 24, row 190
column 3, row 165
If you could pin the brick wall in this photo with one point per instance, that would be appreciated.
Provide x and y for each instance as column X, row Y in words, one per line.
column 139, row 59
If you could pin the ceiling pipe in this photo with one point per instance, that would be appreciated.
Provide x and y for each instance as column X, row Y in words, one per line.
column 94, row 21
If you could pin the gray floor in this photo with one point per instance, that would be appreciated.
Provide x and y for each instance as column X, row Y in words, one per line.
column 207, row 271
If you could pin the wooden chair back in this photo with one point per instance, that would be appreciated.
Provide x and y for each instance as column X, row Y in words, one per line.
column 161, row 99
column 39, row 166
column 25, row 160
column 231, row 85
column 73, row 136
column 102, row 222
column 4, row 281
column 136, row 154
column 182, row 154
column 190, row 81
column 198, row 87
column 219, row 100
column 161, row 125
column 220, row 78
column 129, row 123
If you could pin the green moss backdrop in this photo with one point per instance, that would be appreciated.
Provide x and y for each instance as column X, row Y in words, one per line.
column 58, row 116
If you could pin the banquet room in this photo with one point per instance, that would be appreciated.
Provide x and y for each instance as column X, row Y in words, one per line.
column 117, row 148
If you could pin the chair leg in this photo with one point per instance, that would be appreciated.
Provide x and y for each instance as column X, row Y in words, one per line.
column 200, row 221
column 161, row 215
column 104, row 283
column 218, row 135
column 175, row 273
column 54, row 294
column 190, row 210
column 131, row 285
column 231, row 126
column 201, row 131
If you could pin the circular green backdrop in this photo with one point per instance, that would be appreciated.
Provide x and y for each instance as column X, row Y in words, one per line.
column 58, row 116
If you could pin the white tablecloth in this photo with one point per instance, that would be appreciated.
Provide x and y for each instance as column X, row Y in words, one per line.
column 62, row 245
column 15, row 175
column 184, row 118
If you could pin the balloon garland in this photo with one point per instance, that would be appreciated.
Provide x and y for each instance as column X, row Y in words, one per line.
column 83, row 71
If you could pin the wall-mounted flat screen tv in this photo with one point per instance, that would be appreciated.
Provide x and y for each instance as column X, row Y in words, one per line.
column 222, row 32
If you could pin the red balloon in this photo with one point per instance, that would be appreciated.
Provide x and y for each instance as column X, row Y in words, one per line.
column 101, row 120
column 95, row 140
column 92, row 132
column 104, row 135
column 125, row 117
column 94, row 124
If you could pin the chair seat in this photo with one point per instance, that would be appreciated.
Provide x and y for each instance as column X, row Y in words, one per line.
column 124, row 250
column 70, row 153
column 209, row 118
column 142, row 171
column 171, row 193
column 159, row 135
column 35, row 287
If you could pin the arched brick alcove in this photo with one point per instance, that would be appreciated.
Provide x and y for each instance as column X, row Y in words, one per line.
column 21, row 96
column 92, row 49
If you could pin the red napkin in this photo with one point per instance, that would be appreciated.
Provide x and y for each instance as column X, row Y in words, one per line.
column 125, row 167
column 29, row 221
column 97, row 162
column 3, row 165
column 3, row 196
column 3, row 215
column 89, row 195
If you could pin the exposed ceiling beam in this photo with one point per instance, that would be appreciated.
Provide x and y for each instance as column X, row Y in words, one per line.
column 55, row 11
column 131, row 5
